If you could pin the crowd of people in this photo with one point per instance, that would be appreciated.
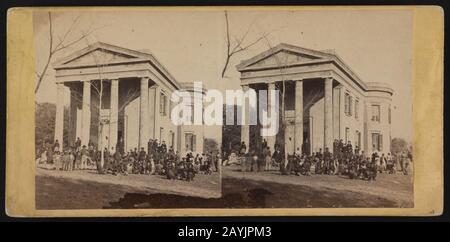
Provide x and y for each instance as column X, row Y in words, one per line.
column 159, row 160
column 343, row 160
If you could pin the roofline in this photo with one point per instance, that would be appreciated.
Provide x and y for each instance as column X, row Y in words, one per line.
column 145, row 57
column 189, row 86
column 321, row 54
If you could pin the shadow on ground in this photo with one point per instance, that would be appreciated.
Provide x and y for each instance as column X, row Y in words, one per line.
column 244, row 193
column 57, row 193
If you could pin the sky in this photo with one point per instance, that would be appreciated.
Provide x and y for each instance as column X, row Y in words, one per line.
column 376, row 44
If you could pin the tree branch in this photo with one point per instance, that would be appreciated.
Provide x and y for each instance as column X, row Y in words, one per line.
column 238, row 46
column 61, row 45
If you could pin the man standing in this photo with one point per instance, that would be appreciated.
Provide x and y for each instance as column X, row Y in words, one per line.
column 142, row 159
column 349, row 147
column 327, row 160
column 243, row 148
column 56, row 146
column 77, row 143
column 84, row 156
column 278, row 158
column 341, row 147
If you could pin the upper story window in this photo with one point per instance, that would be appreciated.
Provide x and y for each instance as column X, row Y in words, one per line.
column 348, row 104
column 163, row 104
column 376, row 112
column 356, row 108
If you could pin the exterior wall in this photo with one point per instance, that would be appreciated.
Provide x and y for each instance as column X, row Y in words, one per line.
column 128, row 71
column 162, row 128
column 383, row 126
column 197, row 130
column 347, row 81
column 351, row 122
column 165, row 128
column 318, row 121
column 131, row 125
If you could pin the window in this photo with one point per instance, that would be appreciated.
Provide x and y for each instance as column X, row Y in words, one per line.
column 389, row 115
column 377, row 142
column 356, row 108
column 376, row 113
column 191, row 114
column 190, row 142
column 162, row 104
column 350, row 106
column 347, row 134
column 358, row 139
column 347, row 103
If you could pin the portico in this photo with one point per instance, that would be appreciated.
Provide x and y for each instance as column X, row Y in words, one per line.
column 323, row 100
column 119, row 88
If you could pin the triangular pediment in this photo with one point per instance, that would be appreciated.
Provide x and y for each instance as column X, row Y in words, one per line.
column 101, row 54
column 282, row 55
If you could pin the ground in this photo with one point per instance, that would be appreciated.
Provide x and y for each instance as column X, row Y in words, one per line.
column 88, row 190
column 85, row 189
column 270, row 189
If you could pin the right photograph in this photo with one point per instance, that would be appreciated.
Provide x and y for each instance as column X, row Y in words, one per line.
column 326, row 115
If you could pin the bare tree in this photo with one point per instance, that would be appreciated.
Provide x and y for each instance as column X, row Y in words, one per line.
column 312, row 97
column 239, row 44
column 99, row 88
column 60, row 42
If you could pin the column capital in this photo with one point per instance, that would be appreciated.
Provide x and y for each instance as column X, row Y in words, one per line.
column 271, row 86
column 339, row 86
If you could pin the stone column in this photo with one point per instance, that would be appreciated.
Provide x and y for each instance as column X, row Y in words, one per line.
column 143, row 114
column 336, row 96
column 366, row 136
column 59, row 120
column 152, row 108
column 157, row 114
column 270, row 139
column 298, row 115
column 342, row 113
column 86, row 113
column 311, row 137
column 114, row 114
column 245, row 128
column 328, row 116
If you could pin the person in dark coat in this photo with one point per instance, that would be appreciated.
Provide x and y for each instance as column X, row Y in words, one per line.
column 78, row 143
column 243, row 148
column 278, row 158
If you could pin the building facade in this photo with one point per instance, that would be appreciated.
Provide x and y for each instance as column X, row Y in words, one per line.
column 130, row 106
column 324, row 100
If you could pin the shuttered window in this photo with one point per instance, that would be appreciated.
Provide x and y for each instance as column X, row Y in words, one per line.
column 190, row 140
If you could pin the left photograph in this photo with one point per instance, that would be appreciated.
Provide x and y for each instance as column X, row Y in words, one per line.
column 104, row 136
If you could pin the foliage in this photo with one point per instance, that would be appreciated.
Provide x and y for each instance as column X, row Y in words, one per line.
column 210, row 145
column 231, row 134
column 398, row 145
column 45, row 114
